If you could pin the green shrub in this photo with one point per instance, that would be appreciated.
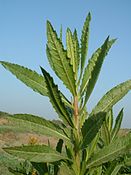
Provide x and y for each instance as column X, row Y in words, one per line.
column 88, row 143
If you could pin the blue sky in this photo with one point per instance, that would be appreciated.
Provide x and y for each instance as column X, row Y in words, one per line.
column 23, row 40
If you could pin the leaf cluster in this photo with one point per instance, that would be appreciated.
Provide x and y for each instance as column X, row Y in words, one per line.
column 87, row 143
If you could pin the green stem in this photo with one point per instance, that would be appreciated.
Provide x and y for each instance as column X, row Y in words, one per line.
column 77, row 135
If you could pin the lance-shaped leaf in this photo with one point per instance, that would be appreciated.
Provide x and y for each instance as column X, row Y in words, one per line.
column 73, row 50
column 84, row 40
column 31, row 78
column 94, row 66
column 91, row 128
column 28, row 77
column 55, row 99
column 93, row 69
column 119, row 147
column 58, row 59
column 117, row 124
column 31, row 123
column 36, row 153
column 112, row 97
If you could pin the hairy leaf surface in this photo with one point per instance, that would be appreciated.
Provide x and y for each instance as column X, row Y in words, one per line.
column 94, row 66
column 112, row 97
column 114, row 150
column 36, row 153
column 55, row 99
column 73, row 50
column 91, row 128
column 93, row 69
column 27, row 76
column 31, row 123
column 84, row 40
column 58, row 59
column 117, row 124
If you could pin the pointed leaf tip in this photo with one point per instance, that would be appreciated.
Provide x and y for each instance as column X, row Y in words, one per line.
column 55, row 98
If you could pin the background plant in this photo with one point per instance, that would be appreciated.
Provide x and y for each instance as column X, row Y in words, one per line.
column 87, row 142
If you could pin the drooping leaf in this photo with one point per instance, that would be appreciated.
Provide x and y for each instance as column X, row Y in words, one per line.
column 84, row 41
column 27, row 76
column 117, row 124
column 35, row 153
column 91, row 128
column 58, row 59
column 93, row 69
column 55, row 99
column 73, row 50
column 94, row 65
column 31, row 123
column 119, row 147
column 112, row 97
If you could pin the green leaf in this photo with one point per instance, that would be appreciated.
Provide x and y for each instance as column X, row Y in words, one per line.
column 112, row 97
column 55, row 99
column 116, row 170
column 93, row 146
column 31, row 78
column 109, row 120
column 35, row 153
column 94, row 65
column 61, row 33
column 105, row 134
column 28, row 77
column 31, row 123
column 65, row 170
column 114, row 167
column 70, row 48
column 91, row 128
column 128, row 162
column 84, row 40
column 73, row 50
column 76, row 51
column 117, row 124
column 93, row 69
column 58, row 59
column 119, row 147
column 15, row 164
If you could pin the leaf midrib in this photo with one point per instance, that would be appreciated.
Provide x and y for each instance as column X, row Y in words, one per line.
column 107, row 155
column 22, row 74
column 43, row 126
column 62, row 62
